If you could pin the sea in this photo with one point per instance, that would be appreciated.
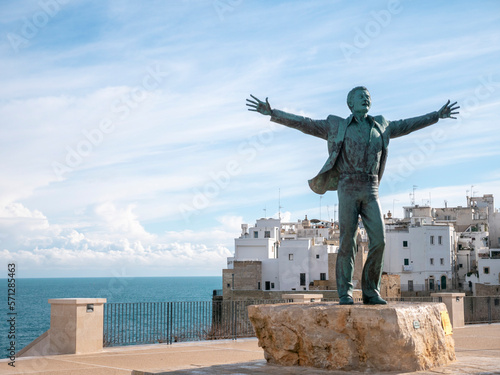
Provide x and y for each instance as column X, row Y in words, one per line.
column 32, row 310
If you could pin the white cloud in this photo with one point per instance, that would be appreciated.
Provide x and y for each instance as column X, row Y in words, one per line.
column 117, row 241
column 121, row 222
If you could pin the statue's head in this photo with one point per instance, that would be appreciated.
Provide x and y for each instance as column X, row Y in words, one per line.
column 359, row 100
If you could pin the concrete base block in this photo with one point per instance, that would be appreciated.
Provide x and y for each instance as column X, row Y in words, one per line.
column 394, row 337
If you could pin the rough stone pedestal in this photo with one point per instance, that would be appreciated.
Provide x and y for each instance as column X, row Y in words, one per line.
column 394, row 337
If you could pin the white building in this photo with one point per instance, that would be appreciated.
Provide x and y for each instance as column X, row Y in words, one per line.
column 291, row 255
column 446, row 266
column 421, row 254
column 494, row 229
column 487, row 271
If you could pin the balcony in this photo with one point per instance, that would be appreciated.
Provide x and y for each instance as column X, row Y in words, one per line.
column 407, row 268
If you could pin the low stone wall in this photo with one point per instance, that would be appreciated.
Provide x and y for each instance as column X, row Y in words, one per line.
column 483, row 290
column 389, row 288
column 76, row 327
column 256, row 295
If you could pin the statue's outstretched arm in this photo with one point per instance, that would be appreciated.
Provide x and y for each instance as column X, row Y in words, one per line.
column 403, row 127
column 317, row 128
column 257, row 105
column 448, row 109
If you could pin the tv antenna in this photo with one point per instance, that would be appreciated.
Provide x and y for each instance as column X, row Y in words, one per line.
column 412, row 196
column 279, row 204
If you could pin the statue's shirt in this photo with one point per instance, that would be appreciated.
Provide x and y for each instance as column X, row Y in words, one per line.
column 369, row 155
column 362, row 148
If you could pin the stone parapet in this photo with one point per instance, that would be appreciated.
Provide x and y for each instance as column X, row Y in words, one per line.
column 76, row 327
column 455, row 304
column 393, row 337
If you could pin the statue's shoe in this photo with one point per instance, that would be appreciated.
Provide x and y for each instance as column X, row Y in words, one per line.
column 346, row 300
column 376, row 300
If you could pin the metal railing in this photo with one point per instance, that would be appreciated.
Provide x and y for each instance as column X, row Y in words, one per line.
column 169, row 322
column 155, row 322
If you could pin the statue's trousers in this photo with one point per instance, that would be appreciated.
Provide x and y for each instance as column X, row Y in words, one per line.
column 358, row 196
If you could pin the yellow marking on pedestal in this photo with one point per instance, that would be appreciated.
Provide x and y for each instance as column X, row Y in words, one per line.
column 445, row 320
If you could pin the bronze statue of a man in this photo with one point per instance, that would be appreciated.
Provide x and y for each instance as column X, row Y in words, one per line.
column 357, row 149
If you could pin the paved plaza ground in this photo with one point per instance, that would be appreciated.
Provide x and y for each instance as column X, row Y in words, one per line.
column 477, row 348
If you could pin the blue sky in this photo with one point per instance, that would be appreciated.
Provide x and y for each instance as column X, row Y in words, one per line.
column 127, row 149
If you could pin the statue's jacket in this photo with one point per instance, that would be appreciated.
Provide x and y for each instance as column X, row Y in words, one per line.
column 333, row 130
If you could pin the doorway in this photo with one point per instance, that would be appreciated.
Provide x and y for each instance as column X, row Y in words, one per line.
column 443, row 282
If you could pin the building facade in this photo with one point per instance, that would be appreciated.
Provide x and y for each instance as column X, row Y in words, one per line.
column 281, row 256
column 421, row 254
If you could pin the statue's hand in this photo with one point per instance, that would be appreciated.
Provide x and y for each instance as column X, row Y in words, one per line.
column 448, row 109
column 257, row 105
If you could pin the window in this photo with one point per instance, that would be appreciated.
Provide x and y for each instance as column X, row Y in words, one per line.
column 302, row 279
column 255, row 234
column 317, row 256
column 440, row 240
column 442, row 261
column 486, row 270
column 322, row 276
column 290, row 256
column 432, row 261
column 405, row 243
column 407, row 262
column 460, row 265
column 267, row 234
column 258, row 285
column 432, row 240
column 272, row 285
